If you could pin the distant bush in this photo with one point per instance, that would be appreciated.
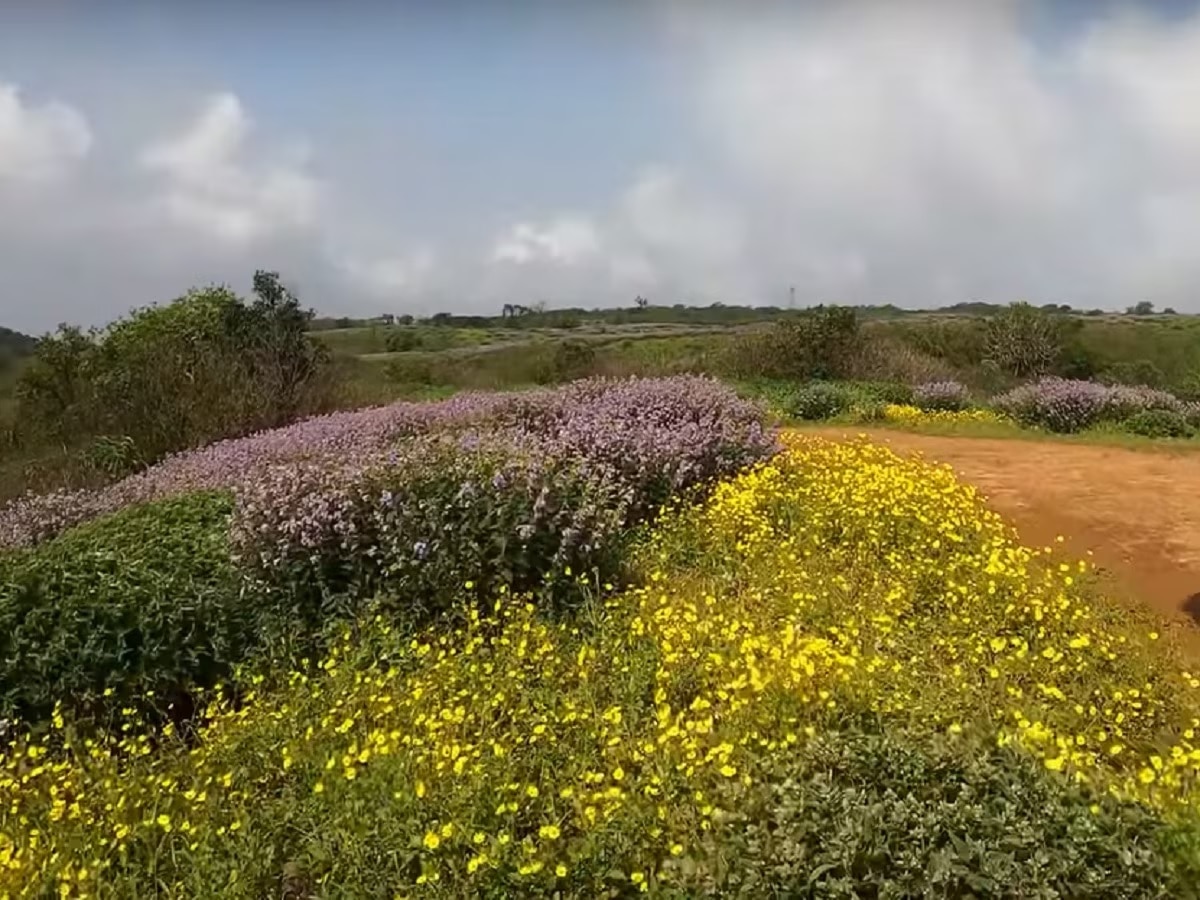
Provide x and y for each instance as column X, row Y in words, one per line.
column 1159, row 423
column 416, row 368
column 402, row 340
column 961, row 342
column 885, row 391
column 204, row 367
column 820, row 344
column 1056, row 403
column 1133, row 372
column 568, row 361
column 821, row 400
column 1065, row 405
column 1024, row 341
column 941, row 395
column 883, row 357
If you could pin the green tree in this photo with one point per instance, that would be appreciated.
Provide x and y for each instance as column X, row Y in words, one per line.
column 1025, row 341
column 206, row 366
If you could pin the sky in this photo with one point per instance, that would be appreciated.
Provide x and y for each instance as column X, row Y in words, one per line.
column 418, row 157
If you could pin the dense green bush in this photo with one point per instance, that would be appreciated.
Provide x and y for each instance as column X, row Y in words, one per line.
column 143, row 601
column 821, row 400
column 1134, row 372
column 567, row 361
column 866, row 815
column 1025, row 341
column 821, row 343
column 401, row 340
column 206, row 366
column 1159, row 423
column 885, row 391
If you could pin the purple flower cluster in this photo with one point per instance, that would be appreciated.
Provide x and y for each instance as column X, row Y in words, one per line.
column 645, row 435
column 941, row 395
column 1067, row 405
column 235, row 463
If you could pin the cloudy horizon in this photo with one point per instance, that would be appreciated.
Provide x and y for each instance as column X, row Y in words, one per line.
column 405, row 159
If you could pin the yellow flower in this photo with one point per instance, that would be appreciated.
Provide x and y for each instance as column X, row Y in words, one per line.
column 548, row 832
column 432, row 841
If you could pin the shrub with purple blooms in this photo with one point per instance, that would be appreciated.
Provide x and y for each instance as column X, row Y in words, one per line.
column 941, row 395
column 1067, row 405
column 416, row 524
column 399, row 507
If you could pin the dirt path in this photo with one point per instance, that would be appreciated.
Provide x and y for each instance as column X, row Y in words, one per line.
column 1137, row 511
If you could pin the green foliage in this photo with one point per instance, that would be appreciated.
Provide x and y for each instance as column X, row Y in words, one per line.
column 866, row 815
column 961, row 342
column 821, row 343
column 567, row 361
column 1159, row 423
column 14, row 346
column 113, row 456
column 402, row 340
column 821, row 400
column 1024, row 341
column 1135, row 372
column 143, row 603
column 885, row 391
column 204, row 367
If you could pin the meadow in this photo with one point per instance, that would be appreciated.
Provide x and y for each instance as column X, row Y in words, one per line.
column 834, row 672
column 617, row 632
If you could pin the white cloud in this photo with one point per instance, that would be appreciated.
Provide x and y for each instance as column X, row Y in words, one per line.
column 567, row 240
column 924, row 152
column 39, row 143
column 390, row 277
column 212, row 187
column 659, row 235
column 664, row 214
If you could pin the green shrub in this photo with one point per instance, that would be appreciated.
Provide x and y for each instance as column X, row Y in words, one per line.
column 866, row 815
column 1159, row 423
column 885, row 391
column 568, row 361
column 961, row 342
column 821, row 343
column 821, row 400
column 868, row 410
column 1025, row 341
column 145, row 600
column 415, row 368
column 1134, row 372
column 204, row 367
column 886, row 357
column 402, row 340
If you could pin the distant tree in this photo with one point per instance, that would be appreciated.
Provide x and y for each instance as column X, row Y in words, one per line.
column 1141, row 308
column 1170, row 311
column 206, row 366
column 640, row 302
column 1024, row 341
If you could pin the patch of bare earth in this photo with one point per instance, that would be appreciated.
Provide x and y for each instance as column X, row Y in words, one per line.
column 1137, row 511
